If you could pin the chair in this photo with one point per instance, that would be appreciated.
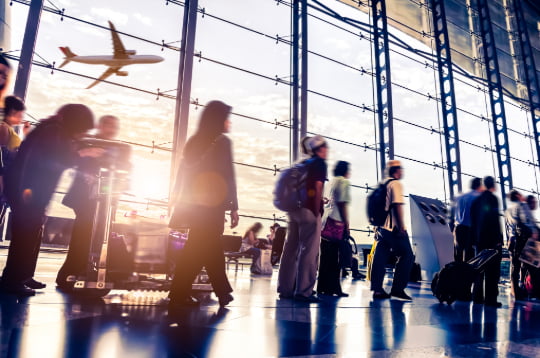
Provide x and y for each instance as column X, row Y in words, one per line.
column 231, row 249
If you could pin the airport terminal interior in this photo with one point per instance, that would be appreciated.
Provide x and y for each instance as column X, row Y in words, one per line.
column 449, row 88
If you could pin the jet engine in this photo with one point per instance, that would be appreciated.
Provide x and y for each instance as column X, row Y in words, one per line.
column 131, row 52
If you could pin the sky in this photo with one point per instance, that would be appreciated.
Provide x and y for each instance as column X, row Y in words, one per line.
column 147, row 119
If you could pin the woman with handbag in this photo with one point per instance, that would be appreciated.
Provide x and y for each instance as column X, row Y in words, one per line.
column 205, row 189
column 335, row 232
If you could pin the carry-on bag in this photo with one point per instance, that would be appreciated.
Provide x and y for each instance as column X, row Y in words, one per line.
column 454, row 281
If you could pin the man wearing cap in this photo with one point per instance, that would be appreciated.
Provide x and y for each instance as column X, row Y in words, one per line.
column 300, row 259
column 463, row 243
column 392, row 238
column 520, row 226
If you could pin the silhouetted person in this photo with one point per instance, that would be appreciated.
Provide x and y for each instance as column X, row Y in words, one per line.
column 206, row 188
column 298, row 268
column 487, row 233
column 30, row 183
column 5, row 72
column 329, row 282
column 392, row 239
column 520, row 227
column 82, row 198
column 463, row 238
column 250, row 246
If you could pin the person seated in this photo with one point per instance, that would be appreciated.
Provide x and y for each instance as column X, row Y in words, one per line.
column 271, row 236
column 250, row 246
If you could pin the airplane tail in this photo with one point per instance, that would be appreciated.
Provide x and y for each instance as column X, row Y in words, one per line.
column 67, row 52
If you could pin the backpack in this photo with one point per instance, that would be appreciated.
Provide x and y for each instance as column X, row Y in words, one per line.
column 376, row 205
column 290, row 192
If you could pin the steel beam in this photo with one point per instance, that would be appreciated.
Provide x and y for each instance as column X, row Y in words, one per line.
column 299, row 64
column 27, row 51
column 531, row 76
column 295, row 69
column 448, row 99
column 183, row 91
column 495, row 90
column 383, row 81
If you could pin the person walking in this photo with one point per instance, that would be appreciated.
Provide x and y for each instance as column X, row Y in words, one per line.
column 298, row 269
column 205, row 190
column 81, row 197
column 487, row 233
column 463, row 243
column 337, row 209
column 520, row 226
column 30, row 183
column 392, row 238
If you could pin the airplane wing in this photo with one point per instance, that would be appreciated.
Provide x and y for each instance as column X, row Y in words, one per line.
column 119, row 49
column 107, row 73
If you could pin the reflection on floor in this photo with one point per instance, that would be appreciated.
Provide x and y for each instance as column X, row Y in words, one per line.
column 257, row 324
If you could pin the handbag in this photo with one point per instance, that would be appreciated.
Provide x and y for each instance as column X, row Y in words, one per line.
column 333, row 230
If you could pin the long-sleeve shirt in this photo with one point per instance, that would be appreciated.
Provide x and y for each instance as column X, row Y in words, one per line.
column 518, row 213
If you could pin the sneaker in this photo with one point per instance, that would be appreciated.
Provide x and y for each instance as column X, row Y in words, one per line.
column 17, row 289
column 493, row 304
column 33, row 284
column 380, row 295
column 309, row 299
column 401, row 295
column 225, row 299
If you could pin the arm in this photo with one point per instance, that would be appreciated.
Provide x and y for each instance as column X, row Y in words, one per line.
column 4, row 135
column 342, row 208
column 398, row 214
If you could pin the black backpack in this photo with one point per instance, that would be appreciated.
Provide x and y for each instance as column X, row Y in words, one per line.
column 376, row 205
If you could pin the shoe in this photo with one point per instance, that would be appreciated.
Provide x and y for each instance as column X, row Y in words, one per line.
column 342, row 294
column 184, row 302
column 225, row 299
column 359, row 277
column 309, row 299
column 19, row 290
column 493, row 304
column 283, row 296
column 401, row 295
column 380, row 295
column 36, row 285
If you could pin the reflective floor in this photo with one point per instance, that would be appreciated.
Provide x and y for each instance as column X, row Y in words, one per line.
column 257, row 324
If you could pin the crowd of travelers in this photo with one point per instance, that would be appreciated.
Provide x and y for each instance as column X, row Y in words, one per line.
column 316, row 249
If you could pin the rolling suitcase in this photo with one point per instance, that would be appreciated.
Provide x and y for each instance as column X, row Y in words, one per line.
column 454, row 280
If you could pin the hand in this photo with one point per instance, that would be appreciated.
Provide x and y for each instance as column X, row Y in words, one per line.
column 26, row 127
column 234, row 219
column 91, row 152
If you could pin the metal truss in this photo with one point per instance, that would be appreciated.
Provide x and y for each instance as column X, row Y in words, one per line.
column 448, row 99
column 495, row 90
column 383, row 81
column 27, row 51
column 531, row 77
column 183, row 92
column 299, row 63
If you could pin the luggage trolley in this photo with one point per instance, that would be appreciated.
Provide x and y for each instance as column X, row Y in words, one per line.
column 148, row 262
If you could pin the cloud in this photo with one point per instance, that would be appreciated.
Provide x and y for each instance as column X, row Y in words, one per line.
column 144, row 19
column 116, row 17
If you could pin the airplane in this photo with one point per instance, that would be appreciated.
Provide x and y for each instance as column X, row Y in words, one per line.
column 120, row 58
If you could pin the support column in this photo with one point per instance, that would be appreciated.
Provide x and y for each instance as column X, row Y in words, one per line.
column 27, row 51
column 531, row 76
column 383, row 80
column 183, row 91
column 495, row 88
column 448, row 99
column 299, row 58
